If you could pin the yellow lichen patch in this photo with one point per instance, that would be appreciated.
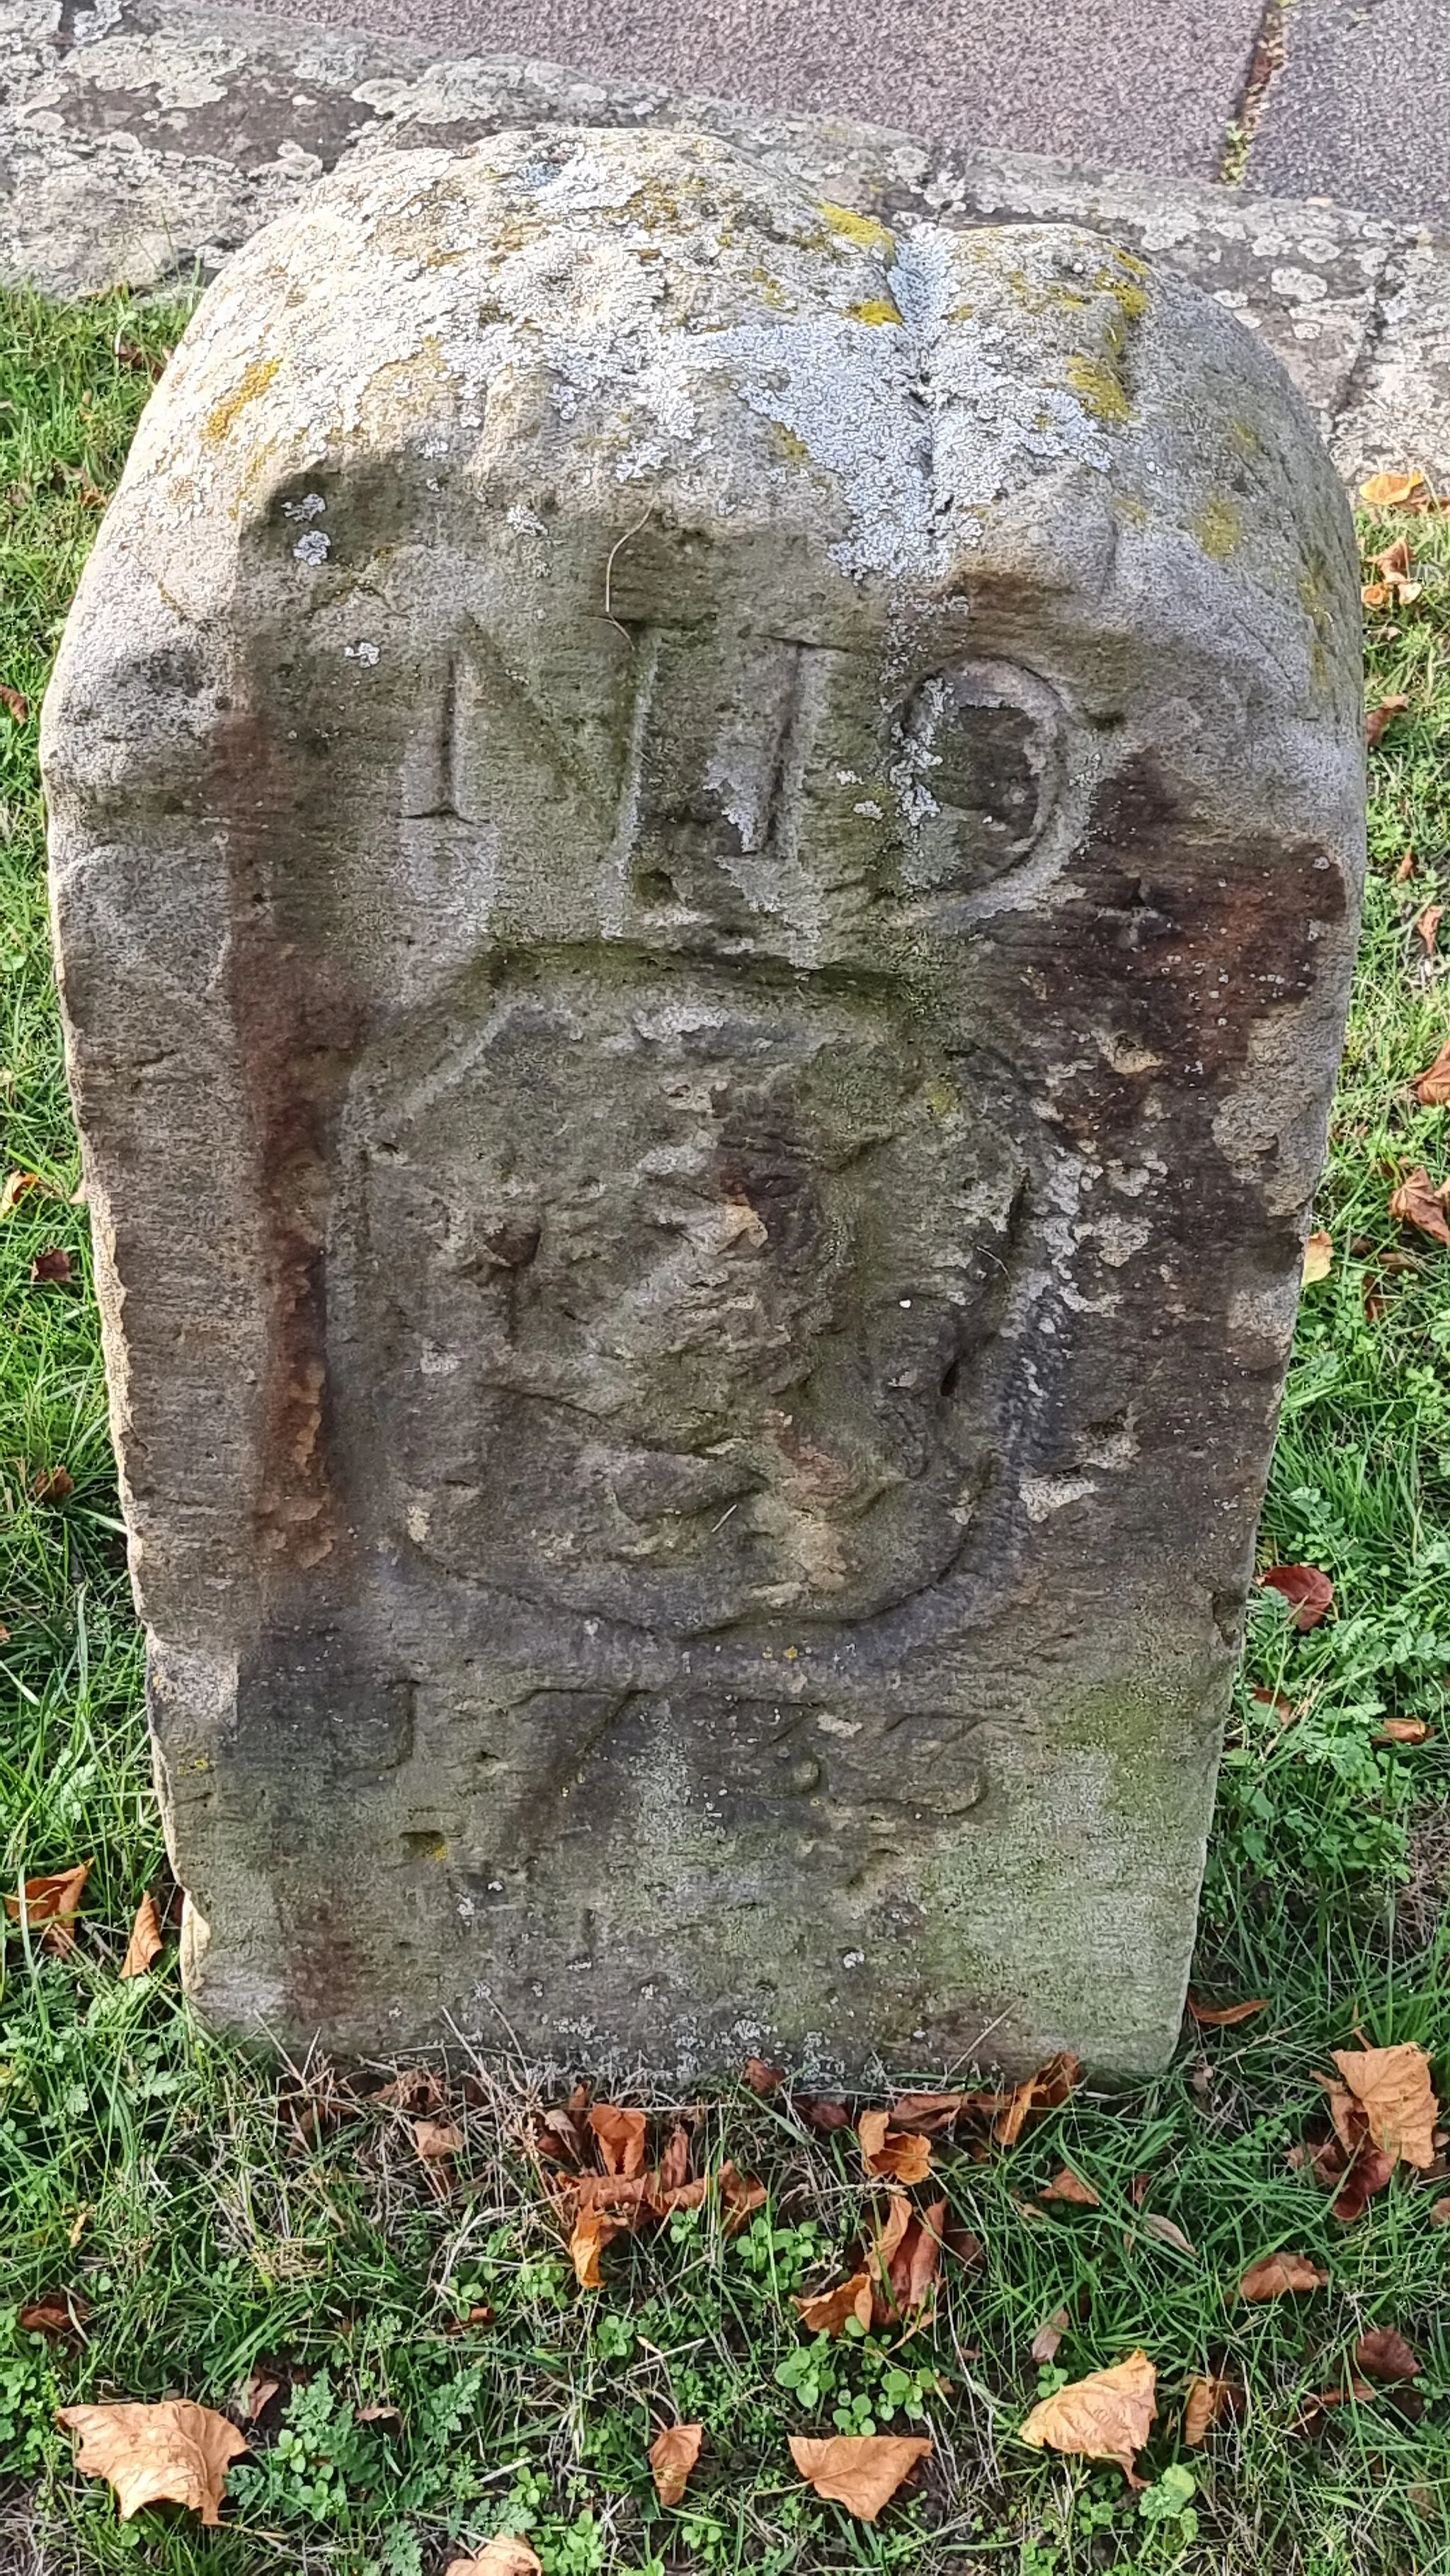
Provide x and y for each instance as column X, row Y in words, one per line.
column 792, row 448
column 864, row 230
column 880, row 309
column 1134, row 512
column 1127, row 282
column 253, row 381
column 1097, row 386
column 1219, row 528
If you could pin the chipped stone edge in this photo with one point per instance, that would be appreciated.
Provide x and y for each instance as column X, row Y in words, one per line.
column 142, row 141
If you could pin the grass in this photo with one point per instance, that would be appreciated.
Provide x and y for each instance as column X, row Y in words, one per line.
column 221, row 2219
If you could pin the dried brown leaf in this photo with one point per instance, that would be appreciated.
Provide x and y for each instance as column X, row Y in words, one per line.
column 1427, row 925
column 1417, row 1202
column 1066, row 2185
column 1384, row 2354
column 862, row 2471
column 144, row 1947
column 887, row 2158
column 51, row 1269
column 1107, row 2416
column 1228, row 2016
column 1318, row 1259
column 830, row 2311
column 761, row 2078
column 1440, row 2212
column 1047, row 2090
column 53, row 1485
column 15, row 1188
column 257, row 2396
column 621, row 2136
column 1309, row 1592
column 821, row 2114
column 435, row 2140
column 1432, row 1087
column 1208, row 2400
column 1390, row 491
column 504, row 2555
column 740, row 2197
column 1167, row 2232
column 1277, row 2276
column 593, row 2230
column 928, row 2114
column 417, row 2088
column 675, row 2162
column 1043, row 2346
column 61, row 2315
column 15, row 705
column 672, row 2455
column 53, row 1902
column 1382, row 716
column 913, row 2268
column 170, row 2453
column 1393, row 2090
column 1403, row 1730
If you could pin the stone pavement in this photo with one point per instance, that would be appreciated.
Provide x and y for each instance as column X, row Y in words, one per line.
column 1361, row 110
column 144, row 140
column 1129, row 84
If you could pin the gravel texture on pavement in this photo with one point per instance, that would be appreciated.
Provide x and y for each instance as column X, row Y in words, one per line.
column 1361, row 110
column 1130, row 84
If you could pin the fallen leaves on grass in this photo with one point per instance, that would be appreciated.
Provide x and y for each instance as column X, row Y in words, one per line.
column 1209, row 2400
column 1168, row 2232
column 1318, row 1259
column 1047, row 2090
column 1309, row 1592
column 61, row 2315
column 1384, row 2354
column 621, row 2136
column 1393, row 2091
column 1381, row 717
column 830, row 2311
column 911, row 2267
column 1043, row 2346
column 862, row 2471
column 927, row 2113
column 53, row 1485
column 144, row 1947
column 16, row 706
column 761, row 2078
column 1391, row 491
column 16, row 1185
column 672, row 2455
column 906, row 2158
column 1066, row 2185
column 171, row 2453
column 1417, row 1202
column 504, row 2555
column 593, row 2229
column 1432, row 1087
column 417, row 2088
column 1427, row 926
column 435, row 2141
column 1227, row 2016
column 1107, row 2416
column 1395, row 582
column 258, row 2394
column 820, row 2113
column 1280, row 2276
column 53, row 1902
column 740, row 2197
column 51, row 1269
column 1402, row 1730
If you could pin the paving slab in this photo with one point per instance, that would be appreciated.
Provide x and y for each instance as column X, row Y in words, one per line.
column 144, row 140
column 1145, row 84
column 1361, row 109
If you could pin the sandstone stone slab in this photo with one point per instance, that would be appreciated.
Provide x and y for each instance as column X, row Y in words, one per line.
column 705, row 867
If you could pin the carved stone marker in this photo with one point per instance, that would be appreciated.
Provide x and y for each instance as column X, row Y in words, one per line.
column 705, row 865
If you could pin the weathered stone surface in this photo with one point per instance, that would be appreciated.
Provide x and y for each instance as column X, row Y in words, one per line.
column 143, row 140
column 706, row 866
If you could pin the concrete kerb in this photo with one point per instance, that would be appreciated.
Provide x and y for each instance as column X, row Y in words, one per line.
column 142, row 141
